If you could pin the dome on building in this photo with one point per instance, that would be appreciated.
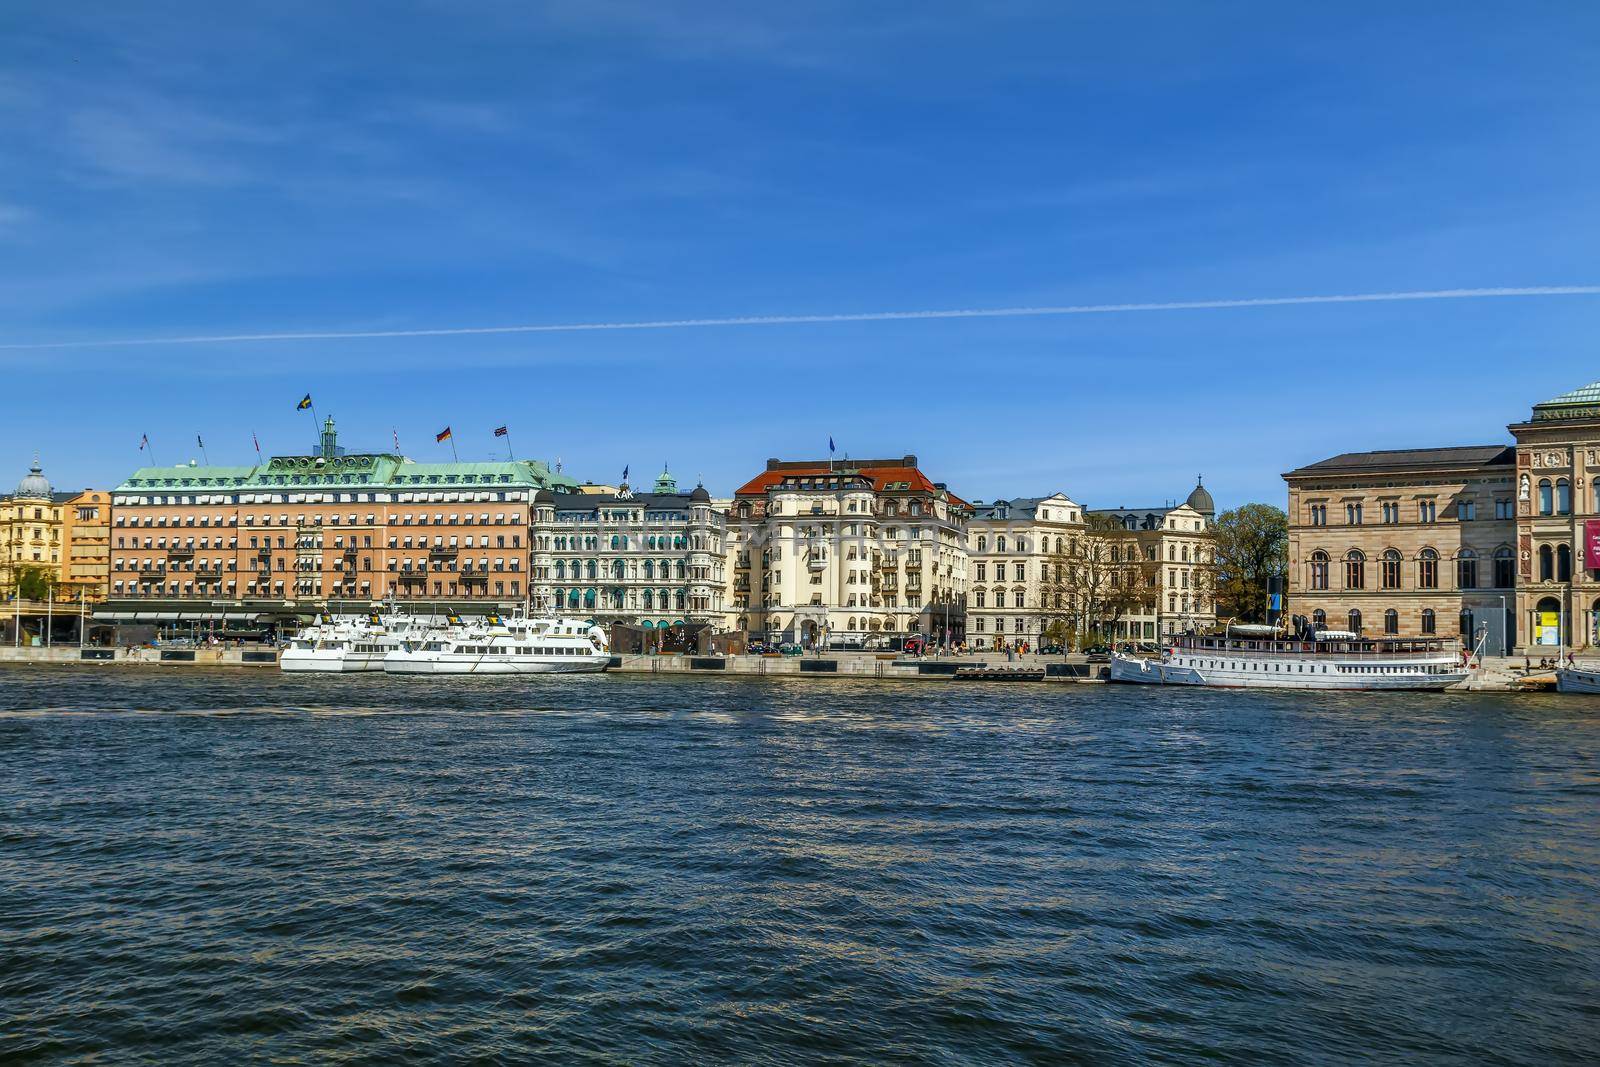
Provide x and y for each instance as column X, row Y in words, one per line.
column 34, row 486
column 1201, row 500
column 699, row 495
column 544, row 496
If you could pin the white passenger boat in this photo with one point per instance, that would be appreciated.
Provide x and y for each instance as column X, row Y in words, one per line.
column 1264, row 657
column 515, row 646
column 340, row 645
column 1576, row 679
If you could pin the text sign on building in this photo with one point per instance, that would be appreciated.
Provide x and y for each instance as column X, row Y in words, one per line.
column 1591, row 544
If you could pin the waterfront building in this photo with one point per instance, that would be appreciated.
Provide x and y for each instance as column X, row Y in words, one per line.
column 31, row 531
column 1177, row 549
column 645, row 559
column 845, row 551
column 329, row 528
column 1557, row 521
column 1408, row 542
column 86, row 545
column 1011, row 545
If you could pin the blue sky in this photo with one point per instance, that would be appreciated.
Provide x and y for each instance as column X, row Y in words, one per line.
column 171, row 169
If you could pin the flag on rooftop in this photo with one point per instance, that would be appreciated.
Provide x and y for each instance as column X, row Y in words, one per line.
column 501, row 431
column 442, row 435
column 305, row 402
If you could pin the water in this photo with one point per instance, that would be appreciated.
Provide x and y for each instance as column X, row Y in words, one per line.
column 242, row 867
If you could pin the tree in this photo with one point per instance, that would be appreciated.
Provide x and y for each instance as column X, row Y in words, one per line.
column 1092, row 581
column 33, row 583
column 1252, row 548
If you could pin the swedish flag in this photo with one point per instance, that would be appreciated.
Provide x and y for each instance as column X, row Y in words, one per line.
column 305, row 402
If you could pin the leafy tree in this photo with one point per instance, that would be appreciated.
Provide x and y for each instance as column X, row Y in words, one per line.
column 1092, row 580
column 1252, row 547
column 33, row 583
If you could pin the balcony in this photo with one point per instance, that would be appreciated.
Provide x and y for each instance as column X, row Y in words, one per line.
column 180, row 552
column 444, row 551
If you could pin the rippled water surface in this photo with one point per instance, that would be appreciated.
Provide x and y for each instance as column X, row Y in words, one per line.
column 241, row 867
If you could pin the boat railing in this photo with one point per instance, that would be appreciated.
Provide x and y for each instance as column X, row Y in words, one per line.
column 1311, row 650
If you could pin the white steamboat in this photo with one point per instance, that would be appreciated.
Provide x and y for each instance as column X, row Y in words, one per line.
column 517, row 646
column 1265, row 657
column 342, row 645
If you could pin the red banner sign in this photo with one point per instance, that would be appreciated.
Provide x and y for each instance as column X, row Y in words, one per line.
column 1591, row 544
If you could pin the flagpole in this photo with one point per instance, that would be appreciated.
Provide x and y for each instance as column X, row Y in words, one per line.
column 201, row 441
column 509, row 453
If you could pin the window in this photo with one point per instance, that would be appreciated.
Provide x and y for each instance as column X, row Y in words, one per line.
column 1354, row 621
column 1355, row 569
column 1319, row 570
column 1389, row 570
column 1427, row 511
column 1391, row 621
column 1428, row 569
column 1563, row 563
column 1429, row 621
column 1319, row 514
column 1390, row 511
column 1505, row 509
column 1468, row 626
column 1466, row 510
column 1467, row 569
column 1563, row 497
column 1546, row 497
column 1504, row 568
column 1352, row 514
column 1547, row 569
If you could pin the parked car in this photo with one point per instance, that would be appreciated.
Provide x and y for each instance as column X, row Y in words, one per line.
column 1097, row 650
column 756, row 648
column 1051, row 650
column 788, row 648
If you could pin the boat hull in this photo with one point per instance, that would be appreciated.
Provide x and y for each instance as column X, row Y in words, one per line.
column 450, row 663
column 1575, row 680
column 296, row 661
column 1255, row 675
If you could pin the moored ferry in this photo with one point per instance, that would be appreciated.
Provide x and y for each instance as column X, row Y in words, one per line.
column 341, row 645
column 1576, row 679
column 518, row 646
column 1269, row 658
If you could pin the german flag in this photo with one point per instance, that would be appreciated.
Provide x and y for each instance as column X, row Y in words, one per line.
column 442, row 435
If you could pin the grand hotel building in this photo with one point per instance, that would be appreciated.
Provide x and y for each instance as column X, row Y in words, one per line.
column 330, row 528
column 1502, row 538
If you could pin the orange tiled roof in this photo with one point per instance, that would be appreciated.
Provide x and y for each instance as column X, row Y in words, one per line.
column 882, row 477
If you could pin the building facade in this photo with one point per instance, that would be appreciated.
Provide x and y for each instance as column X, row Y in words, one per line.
column 1411, row 542
column 301, row 532
column 1177, row 548
column 645, row 559
column 845, row 552
column 1557, row 535
column 86, row 545
column 1010, row 546
column 33, row 535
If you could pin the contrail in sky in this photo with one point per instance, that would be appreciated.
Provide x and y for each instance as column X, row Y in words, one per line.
column 862, row 316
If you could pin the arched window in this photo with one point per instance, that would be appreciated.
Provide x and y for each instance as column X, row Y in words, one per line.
column 1467, row 569
column 1391, row 621
column 1547, row 569
column 1428, row 569
column 1429, row 623
column 1563, row 563
column 1546, row 497
column 1355, row 569
column 1563, row 497
column 1000, row 543
column 1319, row 617
column 1389, row 569
column 1355, row 621
column 1319, row 569
column 1505, row 568
column 983, row 543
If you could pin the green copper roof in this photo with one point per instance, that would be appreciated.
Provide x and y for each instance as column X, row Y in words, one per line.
column 332, row 467
column 1578, row 403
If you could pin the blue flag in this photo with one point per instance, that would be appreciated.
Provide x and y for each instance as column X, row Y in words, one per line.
column 624, row 473
column 830, row 444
